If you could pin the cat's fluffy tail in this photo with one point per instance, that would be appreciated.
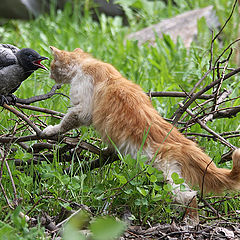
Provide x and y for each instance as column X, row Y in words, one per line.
column 198, row 169
column 209, row 177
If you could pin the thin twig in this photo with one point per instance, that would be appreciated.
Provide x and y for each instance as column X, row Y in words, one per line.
column 225, row 50
column 39, row 109
column 203, row 178
column 13, row 184
column 177, row 94
column 191, row 96
column 41, row 97
column 221, row 77
column 23, row 117
column 226, row 22
column 220, row 138
column 219, row 100
column 5, row 196
column 211, row 52
column 184, row 107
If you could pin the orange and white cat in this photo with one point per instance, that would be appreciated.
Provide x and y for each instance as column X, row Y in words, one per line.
column 120, row 110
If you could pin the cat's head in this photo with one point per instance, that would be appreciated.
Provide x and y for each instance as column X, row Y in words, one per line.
column 64, row 64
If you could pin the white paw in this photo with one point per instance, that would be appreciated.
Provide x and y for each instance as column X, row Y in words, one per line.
column 51, row 130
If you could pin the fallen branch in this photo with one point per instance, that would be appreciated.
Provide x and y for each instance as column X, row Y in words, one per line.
column 184, row 107
column 177, row 94
column 220, row 138
column 227, row 112
column 41, row 97
column 39, row 109
column 217, row 102
column 23, row 117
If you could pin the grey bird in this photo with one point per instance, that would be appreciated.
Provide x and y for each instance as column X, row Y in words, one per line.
column 16, row 65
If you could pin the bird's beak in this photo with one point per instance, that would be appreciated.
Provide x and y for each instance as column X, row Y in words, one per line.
column 39, row 64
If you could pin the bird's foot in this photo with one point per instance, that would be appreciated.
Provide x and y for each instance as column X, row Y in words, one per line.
column 13, row 99
column 3, row 100
column 10, row 99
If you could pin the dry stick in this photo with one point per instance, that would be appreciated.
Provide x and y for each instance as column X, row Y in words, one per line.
column 184, row 94
column 177, row 94
column 211, row 52
column 3, row 159
column 184, row 107
column 195, row 101
column 215, row 105
column 221, row 98
column 224, row 51
column 19, row 139
column 192, row 95
column 13, row 184
column 41, row 97
column 204, row 103
column 4, row 155
column 224, row 25
column 226, row 112
column 210, row 136
column 180, row 111
column 5, row 196
column 23, row 117
column 71, row 141
column 100, row 162
column 11, row 178
column 82, row 144
column 37, row 147
column 203, row 96
column 212, row 208
column 39, row 109
column 220, row 138
column 204, row 174
column 217, row 35
column 24, row 146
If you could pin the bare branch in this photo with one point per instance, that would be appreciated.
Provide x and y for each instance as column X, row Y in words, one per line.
column 177, row 94
column 184, row 107
column 220, row 138
column 219, row 100
column 23, row 117
column 227, row 112
column 39, row 109
column 41, row 97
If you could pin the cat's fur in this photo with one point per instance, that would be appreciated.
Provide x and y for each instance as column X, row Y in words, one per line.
column 120, row 110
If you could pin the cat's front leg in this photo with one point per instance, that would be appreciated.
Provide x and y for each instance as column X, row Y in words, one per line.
column 69, row 122
column 51, row 130
column 75, row 118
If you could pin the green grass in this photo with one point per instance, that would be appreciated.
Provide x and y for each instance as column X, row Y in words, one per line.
column 166, row 67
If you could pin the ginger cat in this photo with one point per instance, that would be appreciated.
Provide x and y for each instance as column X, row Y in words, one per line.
column 120, row 110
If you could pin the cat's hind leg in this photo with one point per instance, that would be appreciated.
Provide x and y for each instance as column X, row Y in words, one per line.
column 181, row 193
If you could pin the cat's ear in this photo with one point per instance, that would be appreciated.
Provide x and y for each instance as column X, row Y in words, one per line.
column 78, row 50
column 56, row 52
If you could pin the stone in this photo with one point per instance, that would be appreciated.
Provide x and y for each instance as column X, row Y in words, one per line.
column 183, row 26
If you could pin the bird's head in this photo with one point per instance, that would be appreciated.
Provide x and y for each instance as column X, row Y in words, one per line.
column 30, row 60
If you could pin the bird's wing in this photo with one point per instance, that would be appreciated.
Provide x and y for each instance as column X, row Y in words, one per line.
column 11, row 47
column 7, row 55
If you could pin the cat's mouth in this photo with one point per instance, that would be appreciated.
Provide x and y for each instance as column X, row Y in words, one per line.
column 39, row 64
